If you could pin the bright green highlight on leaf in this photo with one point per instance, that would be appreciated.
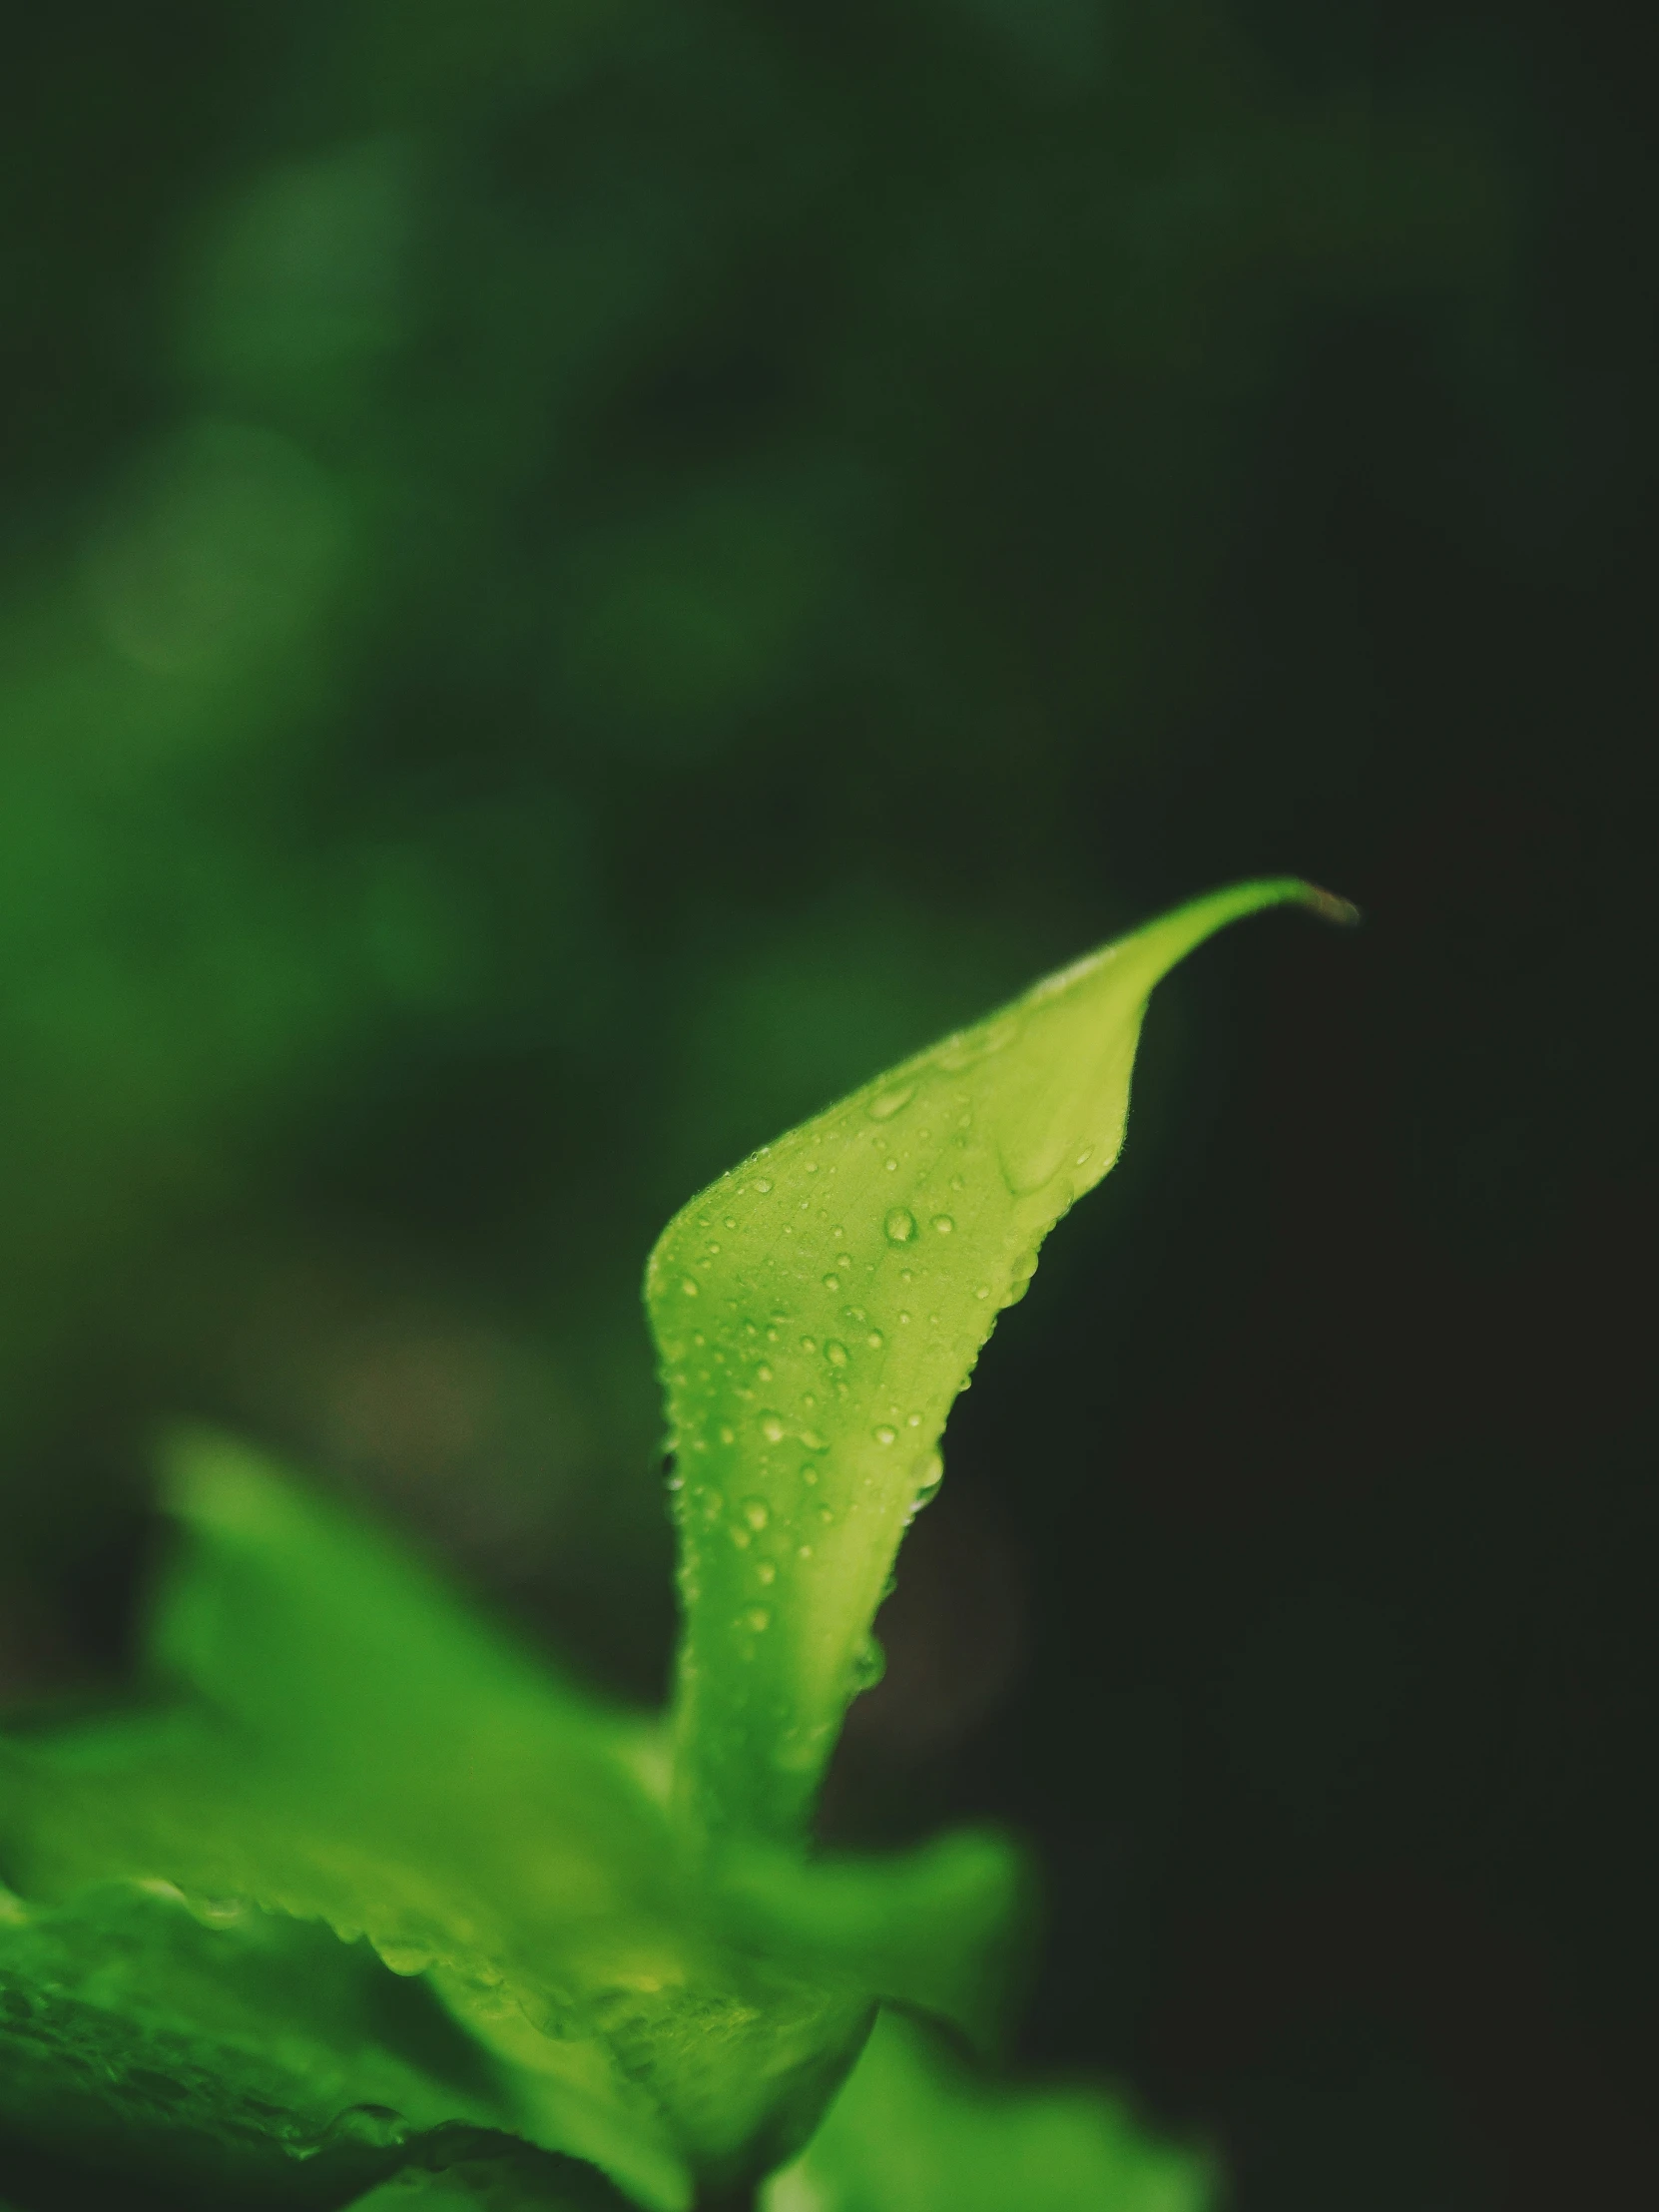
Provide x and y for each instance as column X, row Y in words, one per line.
column 819, row 1309
column 913, row 2132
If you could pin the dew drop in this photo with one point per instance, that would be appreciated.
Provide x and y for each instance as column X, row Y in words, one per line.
column 688, row 1288
column 943, row 1223
column 740, row 1536
column 984, row 1291
column 405, row 1958
column 836, row 1353
column 870, row 1664
column 763, row 1183
column 884, row 1434
column 755, row 1512
column 899, row 1226
column 832, row 1282
column 728, row 1435
column 805, row 1551
column 367, row 2126
column 813, row 1441
column 809, row 1474
column 827, row 1514
column 969, row 1045
column 903, row 1319
column 763, row 1374
column 765, row 1573
column 756, row 1618
column 772, row 1428
column 892, row 1167
column 888, row 1103
column 928, row 1472
column 876, row 1340
column 216, row 1911
column 808, row 1343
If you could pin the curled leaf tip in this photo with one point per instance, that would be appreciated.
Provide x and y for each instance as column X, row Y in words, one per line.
column 1330, row 906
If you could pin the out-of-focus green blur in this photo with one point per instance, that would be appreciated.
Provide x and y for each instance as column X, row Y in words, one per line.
column 576, row 576
column 554, row 555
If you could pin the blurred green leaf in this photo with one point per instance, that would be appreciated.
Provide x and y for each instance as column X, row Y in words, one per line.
column 352, row 1748
column 358, row 1751
column 912, row 2131
column 227, row 2049
column 507, row 2182
column 819, row 1309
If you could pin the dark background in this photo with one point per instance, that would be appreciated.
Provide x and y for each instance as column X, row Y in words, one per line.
column 576, row 576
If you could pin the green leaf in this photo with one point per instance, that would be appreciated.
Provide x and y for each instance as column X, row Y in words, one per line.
column 942, row 1929
column 817, row 1310
column 912, row 2131
column 356, row 1750
column 510, row 2180
column 252, row 2060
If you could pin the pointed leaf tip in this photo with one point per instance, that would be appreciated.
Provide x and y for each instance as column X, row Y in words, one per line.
column 819, row 1309
column 1331, row 906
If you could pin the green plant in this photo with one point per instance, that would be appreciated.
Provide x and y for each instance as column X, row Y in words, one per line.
column 359, row 1902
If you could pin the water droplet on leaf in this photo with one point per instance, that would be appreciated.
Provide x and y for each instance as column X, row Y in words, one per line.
column 928, row 1473
column 405, row 1958
column 888, row 1103
column 373, row 2126
column 899, row 1226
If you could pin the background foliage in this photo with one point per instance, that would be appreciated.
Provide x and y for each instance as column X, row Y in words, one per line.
column 578, row 575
